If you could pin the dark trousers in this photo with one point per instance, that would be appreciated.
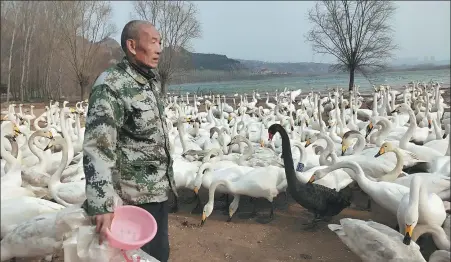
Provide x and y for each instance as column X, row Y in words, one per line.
column 158, row 247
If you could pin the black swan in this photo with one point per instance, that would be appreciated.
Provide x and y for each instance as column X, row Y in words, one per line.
column 322, row 201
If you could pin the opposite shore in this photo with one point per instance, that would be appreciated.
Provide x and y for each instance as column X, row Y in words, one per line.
column 237, row 76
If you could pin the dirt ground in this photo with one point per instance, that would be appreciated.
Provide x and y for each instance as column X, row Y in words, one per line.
column 283, row 239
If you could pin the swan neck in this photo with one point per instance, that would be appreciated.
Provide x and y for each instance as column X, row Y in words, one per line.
column 248, row 153
column 213, row 186
column 360, row 143
column 181, row 130
column 394, row 174
column 328, row 151
column 290, row 174
column 201, row 173
column 33, row 148
column 7, row 155
column 409, row 133
column 56, row 177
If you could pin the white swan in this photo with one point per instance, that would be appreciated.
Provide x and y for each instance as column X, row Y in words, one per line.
column 419, row 207
column 373, row 242
column 65, row 194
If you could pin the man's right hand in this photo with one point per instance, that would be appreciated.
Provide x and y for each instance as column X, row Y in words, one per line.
column 103, row 223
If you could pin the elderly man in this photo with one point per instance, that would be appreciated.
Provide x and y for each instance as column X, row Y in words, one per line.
column 126, row 146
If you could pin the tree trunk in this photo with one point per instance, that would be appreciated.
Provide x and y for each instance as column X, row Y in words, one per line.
column 82, row 92
column 351, row 79
column 164, row 88
column 10, row 62
column 22, row 77
column 27, row 78
column 47, row 73
column 82, row 89
column 60, row 91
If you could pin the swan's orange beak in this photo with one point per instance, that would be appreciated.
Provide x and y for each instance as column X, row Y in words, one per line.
column 369, row 127
column 429, row 123
column 196, row 190
column 381, row 152
column 262, row 143
column 230, row 214
column 408, row 236
column 307, row 143
column 16, row 131
column 344, row 147
column 312, row 179
column 204, row 217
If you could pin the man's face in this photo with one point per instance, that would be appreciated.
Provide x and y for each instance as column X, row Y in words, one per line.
column 148, row 46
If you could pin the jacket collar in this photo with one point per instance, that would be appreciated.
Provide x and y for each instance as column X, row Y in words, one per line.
column 139, row 77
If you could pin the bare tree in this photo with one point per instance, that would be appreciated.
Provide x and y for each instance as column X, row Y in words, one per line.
column 357, row 33
column 36, row 57
column 29, row 11
column 178, row 25
column 83, row 24
column 15, row 10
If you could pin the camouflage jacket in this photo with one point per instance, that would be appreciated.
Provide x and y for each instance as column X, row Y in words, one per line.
column 126, row 145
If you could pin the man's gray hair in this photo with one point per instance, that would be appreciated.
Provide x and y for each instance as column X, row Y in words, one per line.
column 130, row 31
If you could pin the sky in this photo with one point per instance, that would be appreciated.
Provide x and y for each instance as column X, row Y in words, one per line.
column 274, row 31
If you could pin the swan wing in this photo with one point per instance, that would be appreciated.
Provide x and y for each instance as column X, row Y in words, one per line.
column 38, row 235
column 372, row 241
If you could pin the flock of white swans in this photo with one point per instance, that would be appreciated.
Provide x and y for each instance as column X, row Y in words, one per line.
column 397, row 153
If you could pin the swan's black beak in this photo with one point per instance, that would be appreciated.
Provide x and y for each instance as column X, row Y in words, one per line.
column 229, row 144
column 407, row 239
column 306, row 123
column 394, row 111
column 353, row 112
column 46, row 148
column 408, row 236
column 347, row 106
column 445, row 135
column 292, row 128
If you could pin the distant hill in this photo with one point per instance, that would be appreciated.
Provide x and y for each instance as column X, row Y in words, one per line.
column 414, row 61
column 191, row 61
column 201, row 62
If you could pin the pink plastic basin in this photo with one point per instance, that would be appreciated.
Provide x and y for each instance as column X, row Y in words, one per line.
column 131, row 228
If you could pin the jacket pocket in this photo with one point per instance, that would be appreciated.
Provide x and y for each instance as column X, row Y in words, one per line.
column 142, row 118
column 136, row 178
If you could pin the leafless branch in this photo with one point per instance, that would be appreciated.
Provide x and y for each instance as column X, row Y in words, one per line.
column 178, row 25
column 357, row 33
